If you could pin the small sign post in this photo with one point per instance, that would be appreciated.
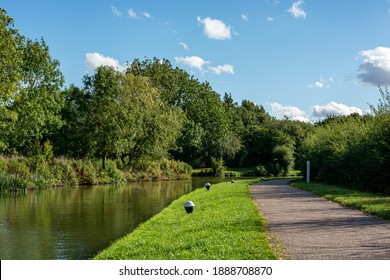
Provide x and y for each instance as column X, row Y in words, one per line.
column 308, row 171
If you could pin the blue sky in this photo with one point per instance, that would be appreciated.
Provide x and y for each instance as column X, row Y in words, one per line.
column 303, row 59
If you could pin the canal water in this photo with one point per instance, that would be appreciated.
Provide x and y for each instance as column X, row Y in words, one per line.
column 76, row 223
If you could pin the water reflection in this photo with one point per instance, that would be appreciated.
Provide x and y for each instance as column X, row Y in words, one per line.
column 76, row 223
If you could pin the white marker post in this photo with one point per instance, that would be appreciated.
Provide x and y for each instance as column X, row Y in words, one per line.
column 308, row 171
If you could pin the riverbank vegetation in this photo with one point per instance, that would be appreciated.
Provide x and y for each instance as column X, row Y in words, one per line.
column 24, row 173
column 368, row 202
column 225, row 225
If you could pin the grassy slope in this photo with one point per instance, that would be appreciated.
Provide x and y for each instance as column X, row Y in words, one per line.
column 225, row 225
column 370, row 203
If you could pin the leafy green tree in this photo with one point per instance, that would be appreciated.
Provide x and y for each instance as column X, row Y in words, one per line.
column 128, row 118
column 40, row 99
column 252, row 114
column 105, row 114
column 30, row 90
column 383, row 106
column 72, row 139
column 297, row 131
column 152, row 126
column 249, row 122
column 10, row 64
column 207, row 121
column 173, row 83
column 189, row 143
column 260, row 142
column 232, row 142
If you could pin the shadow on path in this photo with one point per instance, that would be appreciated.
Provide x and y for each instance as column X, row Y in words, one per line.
column 311, row 228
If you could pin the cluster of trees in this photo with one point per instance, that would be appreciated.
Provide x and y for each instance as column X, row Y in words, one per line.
column 353, row 150
column 154, row 110
column 149, row 112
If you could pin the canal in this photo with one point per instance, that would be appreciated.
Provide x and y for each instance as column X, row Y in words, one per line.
column 76, row 223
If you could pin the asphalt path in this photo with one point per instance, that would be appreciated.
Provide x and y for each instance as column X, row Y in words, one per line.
column 312, row 228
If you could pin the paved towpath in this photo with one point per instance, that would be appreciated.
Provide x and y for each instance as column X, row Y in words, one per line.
column 312, row 228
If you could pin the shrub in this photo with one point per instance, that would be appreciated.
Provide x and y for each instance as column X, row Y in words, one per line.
column 273, row 168
column 86, row 172
column 217, row 167
column 18, row 166
column 63, row 172
column 261, row 171
column 352, row 151
column 112, row 173
column 284, row 156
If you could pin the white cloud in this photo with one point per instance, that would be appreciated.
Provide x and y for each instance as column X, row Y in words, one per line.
column 131, row 13
column 319, row 84
column 94, row 60
column 192, row 61
column 375, row 69
column 116, row 12
column 244, row 17
column 322, row 83
column 215, row 29
column 289, row 111
column 270, row 19
column 184, row 45
column 296, row 9
column 334, row 109
column 226, row 68
column 146, row 14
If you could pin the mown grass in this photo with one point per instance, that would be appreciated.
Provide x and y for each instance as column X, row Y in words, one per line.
column 368, row 202
column 225, row 225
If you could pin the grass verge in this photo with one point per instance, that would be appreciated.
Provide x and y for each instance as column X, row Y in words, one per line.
column 368, row 202
column 225, row 225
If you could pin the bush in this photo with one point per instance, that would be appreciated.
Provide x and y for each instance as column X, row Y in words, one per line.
column 112, row 173
column 86, row 172
column 284, row 159
column 64, row 173
column 352, row 151
column 166, row 169
column 17, row 166
column 261, row 171
column 217, row 167
column 273, row 168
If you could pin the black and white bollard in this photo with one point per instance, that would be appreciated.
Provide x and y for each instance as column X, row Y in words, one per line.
column 207, row 186
column 189, row 206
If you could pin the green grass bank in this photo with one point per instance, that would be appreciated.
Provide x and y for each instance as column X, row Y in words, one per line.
column 225, row 225
column 368, row 202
